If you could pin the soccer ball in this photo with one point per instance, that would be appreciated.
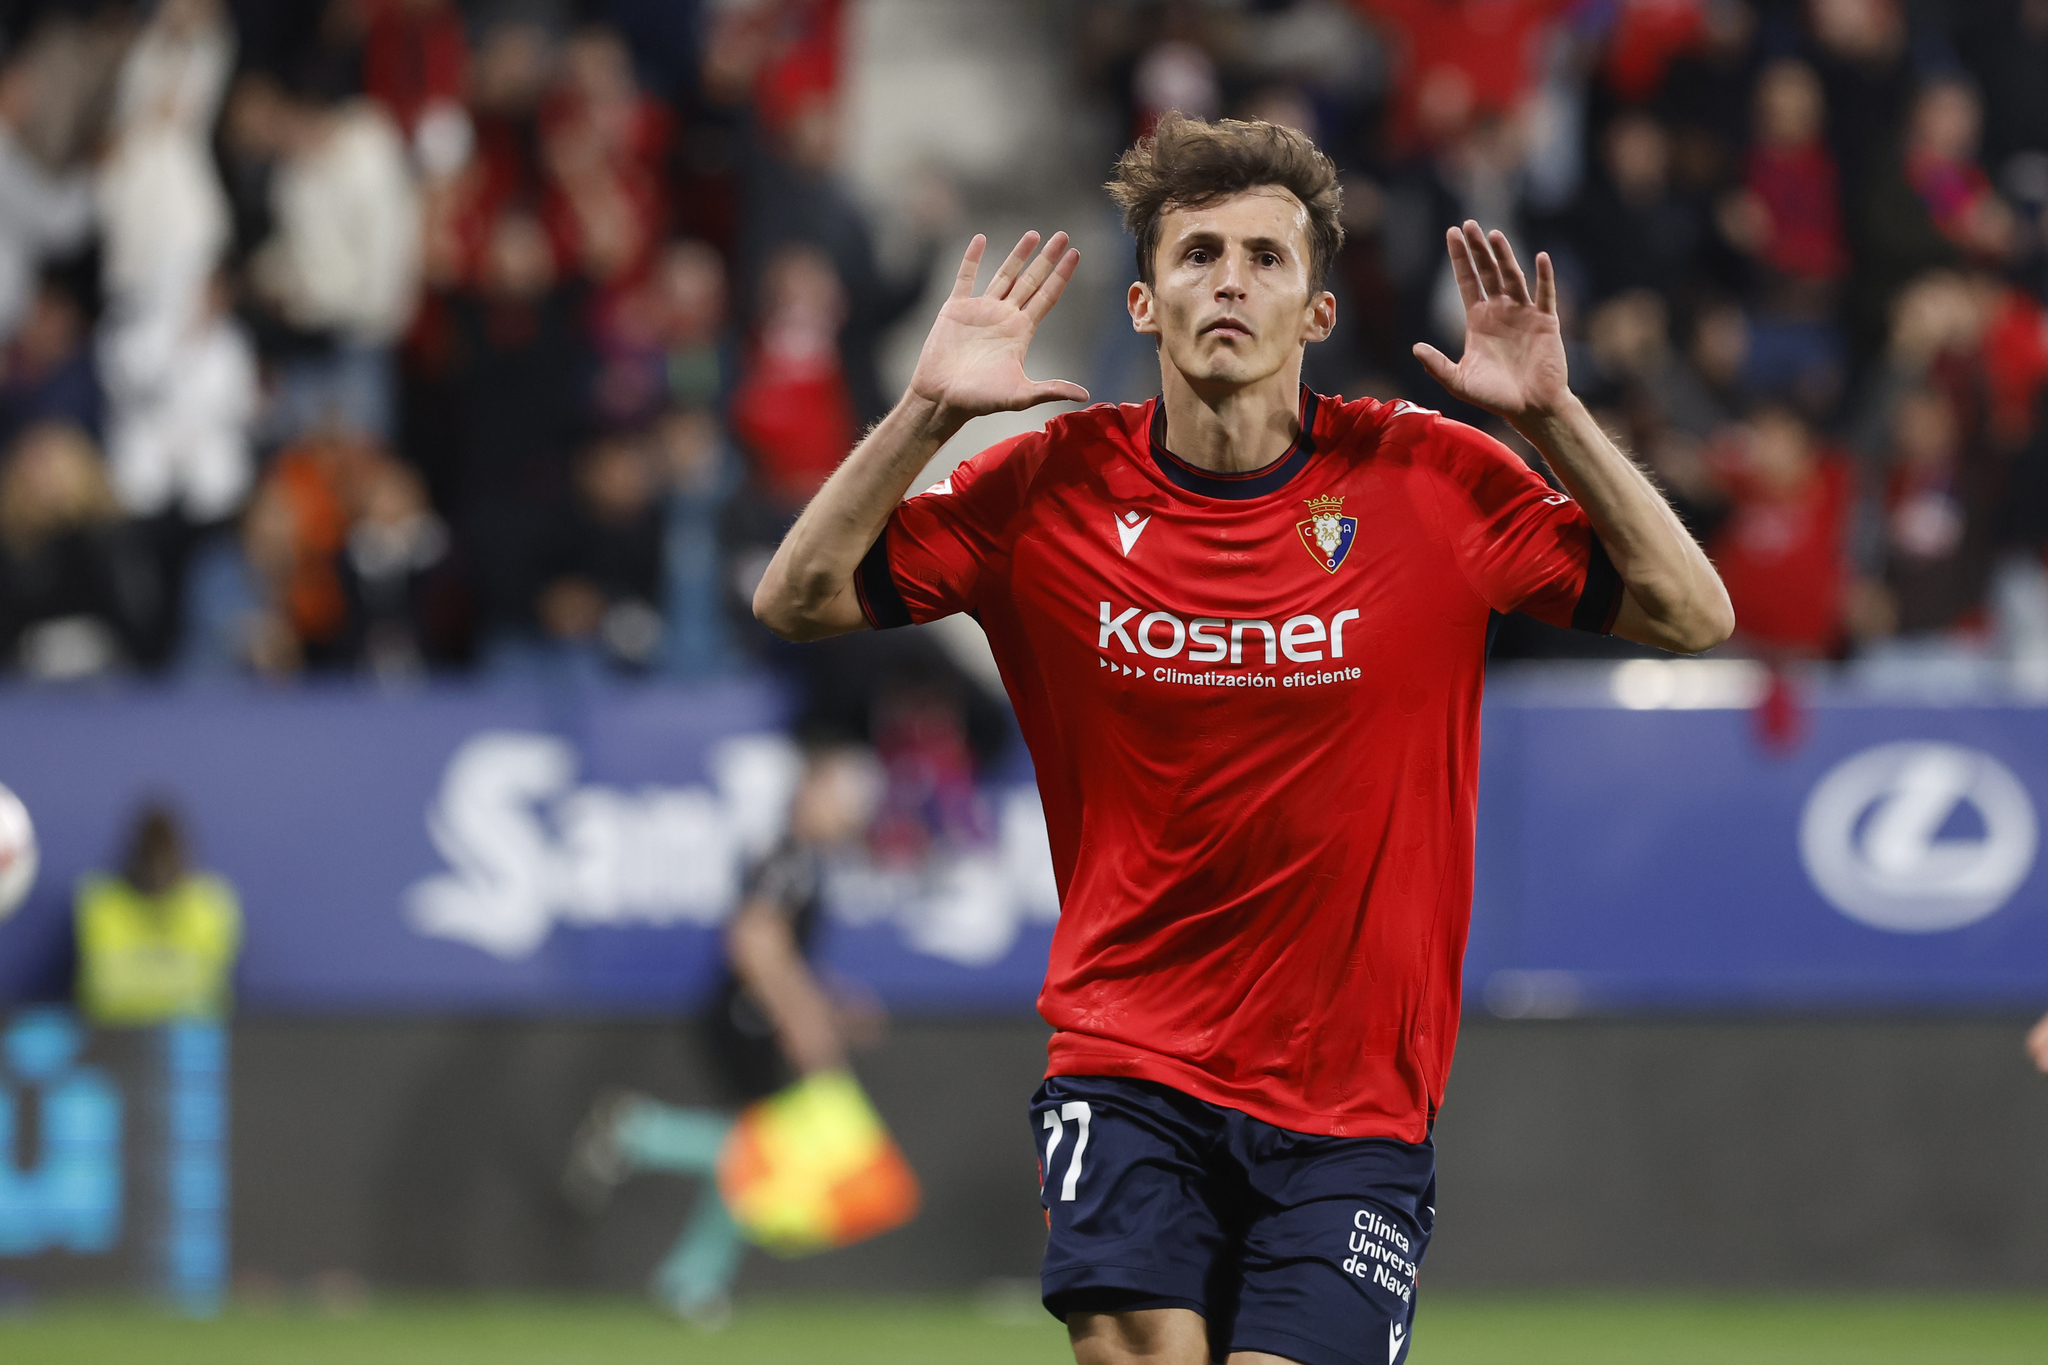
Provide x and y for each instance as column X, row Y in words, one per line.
column 17, row 853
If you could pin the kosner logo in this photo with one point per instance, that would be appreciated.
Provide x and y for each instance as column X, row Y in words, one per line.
column 1918, row 837
column 529, row 848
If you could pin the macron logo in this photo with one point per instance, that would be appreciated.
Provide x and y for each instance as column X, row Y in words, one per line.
column 944, row 485
column 1397, row 1337
column 1130, row 528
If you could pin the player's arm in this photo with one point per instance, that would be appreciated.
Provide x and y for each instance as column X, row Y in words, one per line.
column 1514, row 365
column 764, row 956
column 972, row 364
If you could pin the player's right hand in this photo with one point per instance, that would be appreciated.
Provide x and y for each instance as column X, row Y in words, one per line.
column 973, row 360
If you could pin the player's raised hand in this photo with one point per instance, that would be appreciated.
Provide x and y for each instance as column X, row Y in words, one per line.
column 1513, row 363
column 973, row 359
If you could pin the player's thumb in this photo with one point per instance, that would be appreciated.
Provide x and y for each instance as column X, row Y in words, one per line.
column 1057, row 391
column 1436, row 362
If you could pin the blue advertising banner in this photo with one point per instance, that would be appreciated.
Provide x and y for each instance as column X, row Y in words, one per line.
column 525, row 851
column 508, row 849
column 1670, row 857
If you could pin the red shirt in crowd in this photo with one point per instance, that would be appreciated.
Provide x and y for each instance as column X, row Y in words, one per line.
column 1799, row 189
column 1783, row 557
column 1253, row 705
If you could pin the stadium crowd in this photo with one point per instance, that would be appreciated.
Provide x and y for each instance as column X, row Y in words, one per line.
column 407, row 335
column 1801, row 247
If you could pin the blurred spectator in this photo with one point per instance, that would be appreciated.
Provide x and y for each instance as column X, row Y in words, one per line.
column 340, row 271
column 1941, row 166
column 1460, row 60
column 521, row 371
column 415, row 63
column 293, row 537
column 1783, row 551
column 661, row 340
column 77, row 591
column 795, row 197
column 396, row 543
column 1706, row 98
column 46, row 372
column 602, row 579
column 1938, row 514
column 1632, row 229
column 183, row 396
column 41, row 215
column 702, row 474
column 164, row 219
column 1788, row 215
column 792, row 409
column 157, row 942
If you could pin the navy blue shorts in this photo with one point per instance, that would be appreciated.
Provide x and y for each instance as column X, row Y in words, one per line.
column 1302, row 1246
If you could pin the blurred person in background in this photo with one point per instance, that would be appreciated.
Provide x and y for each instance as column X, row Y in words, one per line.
column 772, row 1020
column 1783, row 550
column 337, row 278
column 47, row 372
column 1939, row 513
column 600, row 572
column 703, row 473
column 792, row 409
column 157, row 941
column 661, row 342
column 42, row 215
column 520, row 370
column 1942, row 136
column 2037, row 1044
column 79, row 594
column 1788, row 214
column 1631, row 228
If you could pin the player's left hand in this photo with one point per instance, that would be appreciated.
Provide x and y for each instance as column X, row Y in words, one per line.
column 1513, row 363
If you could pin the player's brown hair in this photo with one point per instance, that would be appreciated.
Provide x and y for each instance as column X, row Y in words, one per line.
column 1188, row 163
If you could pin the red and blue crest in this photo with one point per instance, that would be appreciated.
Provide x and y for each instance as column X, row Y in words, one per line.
column 1326, row 533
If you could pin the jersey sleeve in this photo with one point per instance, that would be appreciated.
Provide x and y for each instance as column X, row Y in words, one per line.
column 942, row 547
column 1523, row 546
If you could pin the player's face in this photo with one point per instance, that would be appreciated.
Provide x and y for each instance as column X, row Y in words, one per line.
column 1230, row 298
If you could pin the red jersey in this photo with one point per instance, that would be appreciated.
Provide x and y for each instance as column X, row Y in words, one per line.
column 1253, row 704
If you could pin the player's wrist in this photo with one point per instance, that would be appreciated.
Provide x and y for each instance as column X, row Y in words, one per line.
column 930, row 419
column 1550, row 416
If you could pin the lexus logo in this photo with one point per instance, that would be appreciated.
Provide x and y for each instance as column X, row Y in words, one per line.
column 1918, row 837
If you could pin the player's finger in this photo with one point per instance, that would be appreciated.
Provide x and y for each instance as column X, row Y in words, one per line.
column 1049, row 293
column 970, row 265
column 1461, row 266
column 1546, row 284
column 1436, row 362
column 1482, row 259
column 1006, row 273
column 1510, row 268
column 1039, row 270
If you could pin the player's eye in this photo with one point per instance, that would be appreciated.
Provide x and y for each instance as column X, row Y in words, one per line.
column 1269, row 259
column 1198, row 257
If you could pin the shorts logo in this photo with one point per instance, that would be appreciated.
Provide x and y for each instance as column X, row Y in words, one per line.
column 1397, row 1337
column 1326, row 533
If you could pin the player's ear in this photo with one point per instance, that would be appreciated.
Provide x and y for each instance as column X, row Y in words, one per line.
column 1139, row 301
column 1321, row 317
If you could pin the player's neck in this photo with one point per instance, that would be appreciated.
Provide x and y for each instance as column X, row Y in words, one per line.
column 1232, row 430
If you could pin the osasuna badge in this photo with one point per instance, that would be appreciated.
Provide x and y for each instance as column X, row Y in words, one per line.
column 1327, row 533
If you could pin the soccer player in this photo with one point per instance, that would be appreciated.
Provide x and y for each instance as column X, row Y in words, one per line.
column 1244, row 628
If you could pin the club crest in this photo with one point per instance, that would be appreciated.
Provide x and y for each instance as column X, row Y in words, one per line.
column 1326, row 533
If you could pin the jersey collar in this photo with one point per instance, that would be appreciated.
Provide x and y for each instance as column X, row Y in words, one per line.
column 1236, row 487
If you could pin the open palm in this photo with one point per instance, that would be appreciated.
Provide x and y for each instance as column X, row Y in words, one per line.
column 1513, row 362
column 973, row 358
